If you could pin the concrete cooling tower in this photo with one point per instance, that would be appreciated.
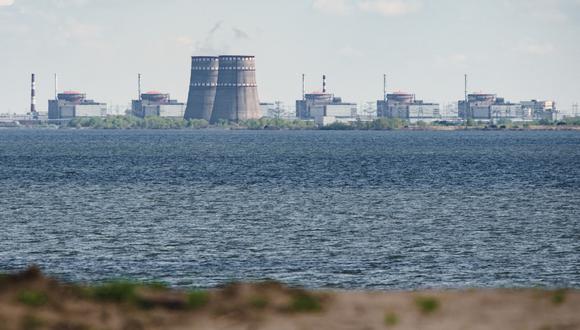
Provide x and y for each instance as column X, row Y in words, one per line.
column 237, row 92
column 202, row 87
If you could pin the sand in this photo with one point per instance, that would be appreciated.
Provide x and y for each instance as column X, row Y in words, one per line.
column 30, row 300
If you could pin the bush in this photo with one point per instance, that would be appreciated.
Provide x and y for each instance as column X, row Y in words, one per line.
column 32, row 298
column 337, row 127
column 119, row 291
column 197, row 299
column 545, row 122
column 391, row 319
column 274, row 124
column 388, row 123
column 304, row 302
column 572, row 121
column 558, row 297
column 427, row 305
column 197, row 123
column 259, row 302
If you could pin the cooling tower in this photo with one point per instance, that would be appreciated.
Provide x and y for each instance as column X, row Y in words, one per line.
column 202, row 87
column 237, row 91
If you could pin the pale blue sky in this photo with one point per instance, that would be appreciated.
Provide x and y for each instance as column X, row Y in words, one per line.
column 519, row 49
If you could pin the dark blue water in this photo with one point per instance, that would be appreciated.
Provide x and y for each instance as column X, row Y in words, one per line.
column 389, row 210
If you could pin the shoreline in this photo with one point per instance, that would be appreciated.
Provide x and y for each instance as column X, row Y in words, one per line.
column 407, row 129
column 29, row 300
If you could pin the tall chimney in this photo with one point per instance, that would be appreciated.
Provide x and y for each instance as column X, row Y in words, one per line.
column 466, row 104
column 33, row 95
column 324, row 84
column 465, row 90
column 55, row 86
column 303, row 87
column 385, row 87
column 139, row 86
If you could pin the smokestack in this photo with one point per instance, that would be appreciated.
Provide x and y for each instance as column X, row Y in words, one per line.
column 33, row 95
column 303, row 87
column 139, row 86
column 466, row 105
column 55, row 86
column 465, row 90
column 324, row 84
column 385, row 87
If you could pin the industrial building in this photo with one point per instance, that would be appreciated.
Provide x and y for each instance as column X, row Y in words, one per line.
column 477, row 106
column 406, row 106
column 68, row 105
column 223, row 88
column 325, row 108
column 489, row 107
column 541, row 109
column 157, row 104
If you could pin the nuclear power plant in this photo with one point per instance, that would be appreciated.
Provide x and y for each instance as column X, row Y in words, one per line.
column 223, row 88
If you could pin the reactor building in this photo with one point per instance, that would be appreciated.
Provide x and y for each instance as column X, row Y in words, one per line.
column 325, row 108
column 223, row 88
column 69, row 105
column 489, row 107
column 406, row 106
column 157, row 104
column 541, row 109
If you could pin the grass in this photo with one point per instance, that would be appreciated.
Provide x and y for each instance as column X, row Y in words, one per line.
column 558, row 297
column 259, row 302
column 32, row 298
column 427, row 305
column 31, row 322
column 118, row 291
column 304, row 302
column 197, row 299
column 391, row 319
column 156, row 285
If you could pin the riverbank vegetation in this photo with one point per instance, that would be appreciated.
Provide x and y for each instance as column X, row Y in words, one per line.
column 131, row 122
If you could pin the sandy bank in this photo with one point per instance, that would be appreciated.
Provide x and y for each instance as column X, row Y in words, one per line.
column 31, row 301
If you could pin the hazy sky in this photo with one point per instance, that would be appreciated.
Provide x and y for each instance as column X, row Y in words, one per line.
column 519, row 49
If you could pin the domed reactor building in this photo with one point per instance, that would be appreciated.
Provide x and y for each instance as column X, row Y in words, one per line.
column 223, row 88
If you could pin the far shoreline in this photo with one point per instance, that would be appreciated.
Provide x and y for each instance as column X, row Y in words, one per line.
column 401, row 129
column 378, row 124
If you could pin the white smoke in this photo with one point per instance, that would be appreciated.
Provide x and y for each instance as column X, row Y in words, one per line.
column 6, row 3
